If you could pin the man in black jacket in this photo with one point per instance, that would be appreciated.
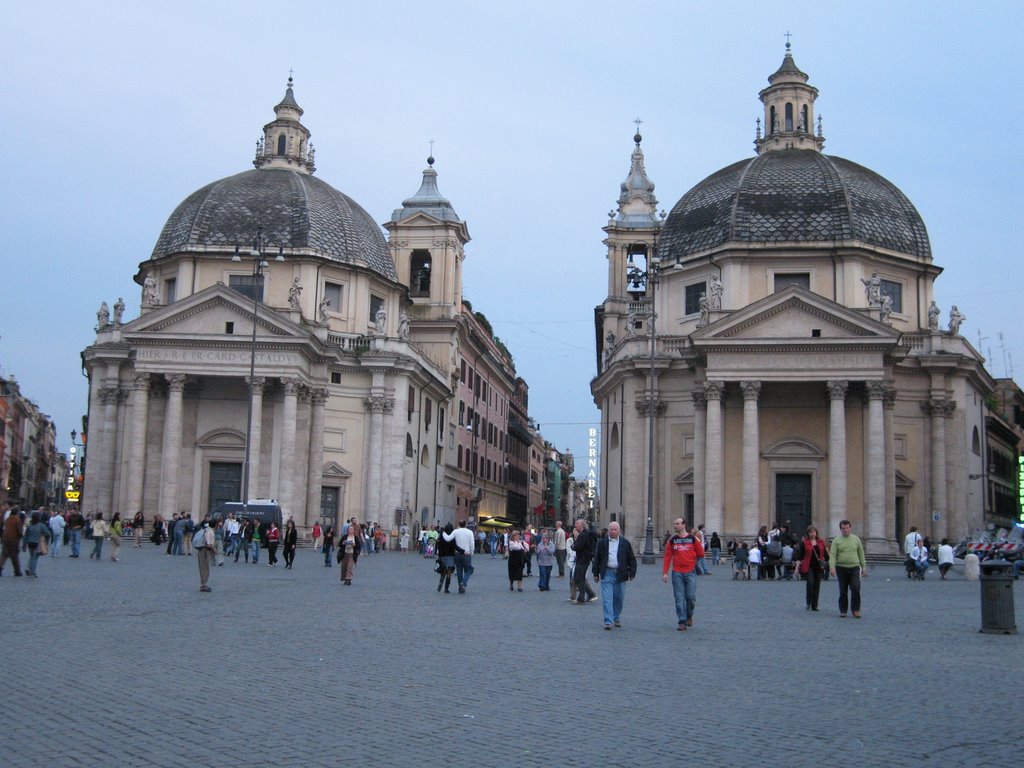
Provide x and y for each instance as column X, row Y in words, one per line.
column 583, row 545
column 614, row 565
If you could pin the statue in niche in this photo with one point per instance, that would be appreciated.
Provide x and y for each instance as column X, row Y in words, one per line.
column 321, row 314
column 956, row 319
column 379, row 320
column 150, row 298
column 885, row 310
column 933, row 316
column 403, row 326
column 717, row 289
column 631, row 322
column 294, row 293
column 873, row 290
column 102, row 317
column 118, row 311
column 609, row 340
column 705, row 311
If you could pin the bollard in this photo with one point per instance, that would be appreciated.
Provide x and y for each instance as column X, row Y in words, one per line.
column 997, row 615
column 971, row 568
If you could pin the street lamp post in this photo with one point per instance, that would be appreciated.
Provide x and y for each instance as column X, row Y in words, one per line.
column 259, row 264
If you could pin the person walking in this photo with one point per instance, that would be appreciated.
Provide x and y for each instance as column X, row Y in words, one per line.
column 76, row 524
column 328, row 545
column 846, row 558
column 348, row 553
column 204, row 544
column 318, row 535
column 178, row 545
column 36, row 536
column 99, row 533
column 715, row 545
column 138, row 524
column 570, row 565
column 812, row 558
column 516, row 561
column 291, row 543
column 256, row 540
column 273, row 539
column 614, row 565
column 57, row 526
column 463, row 538
column 560, row 548
column 14, row 527
column 446, row 558
column 584, row 545
column 244, row 539
column 116, row 532
column 545, row 562
column 682, row 553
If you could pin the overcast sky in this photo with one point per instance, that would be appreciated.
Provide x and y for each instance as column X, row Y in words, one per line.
column 114, row 112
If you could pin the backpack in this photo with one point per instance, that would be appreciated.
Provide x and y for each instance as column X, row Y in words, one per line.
column 199, row 538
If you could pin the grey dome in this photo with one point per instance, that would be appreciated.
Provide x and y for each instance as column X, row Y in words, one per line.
column 793, row 195
column 295, row 210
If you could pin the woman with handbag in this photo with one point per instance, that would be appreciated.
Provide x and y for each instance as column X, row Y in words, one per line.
column 328, row 545
column 291, row 541
column 37, row 536
column 348, row 553
column 813, row 558
column 273, row 539
column 116, row 531
column 517, row 550
column 99, row 532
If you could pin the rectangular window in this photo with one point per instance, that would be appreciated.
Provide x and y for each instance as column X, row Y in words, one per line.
column 247, row 285
column 170, row 290
column 335, row 377
column 376, row 302
column 333, row 294
column 428, row 408
column 462, row 413
column 469, row 419
column 693, row 293
column 462, row 369
column 786, row 279
column 895, row 292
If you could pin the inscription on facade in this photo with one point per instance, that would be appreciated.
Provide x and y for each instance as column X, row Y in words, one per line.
column 218, row 356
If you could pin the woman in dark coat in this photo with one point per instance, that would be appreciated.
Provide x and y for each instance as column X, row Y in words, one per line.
column 348, row 552
column 446, row 556
column 328, row 545
column 516, row 560
column 812, row 556
column 291, row 541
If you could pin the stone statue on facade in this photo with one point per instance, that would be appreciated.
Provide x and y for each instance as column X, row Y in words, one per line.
column 873, row 290
column 705, row 311
column 933, row 316
column 631, row 322
column 379, row 320
column 294, row 293
column 118, row 311
column 717, row 289
column 885, row 310
column 150, row 298
column 102, row 317
column 321, row 313
column 956, row 319
column 403, row 325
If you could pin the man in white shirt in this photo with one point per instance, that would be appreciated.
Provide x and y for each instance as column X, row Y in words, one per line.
column 919, row 554
column 463, row 553
column 910, row 540
column 945, row 558
column 560, row 548
column 57, row 529
column 614, row 565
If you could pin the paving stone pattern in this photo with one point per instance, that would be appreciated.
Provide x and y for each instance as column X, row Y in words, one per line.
column 128, row 664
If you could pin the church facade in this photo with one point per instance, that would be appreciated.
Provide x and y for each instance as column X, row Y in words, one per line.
column 284, row 346
column 773, row 348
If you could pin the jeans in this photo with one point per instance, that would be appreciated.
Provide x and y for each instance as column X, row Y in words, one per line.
column 76, row 542
column 494, row 548
column 812, row 586
column 560, row 559
column 613, row 593
column 684, row 589
column 716, row 555
column 55, row 542
column 178, row 547
column 97, row 548
column 545, row 577
column 849, row 581
column 463, row 568
column 921, row 568
column 583, row 588
column 702, row 567
column 33, row 558
column 327, row 555
column 255, row 549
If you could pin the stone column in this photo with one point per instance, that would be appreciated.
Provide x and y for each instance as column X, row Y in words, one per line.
column 171, row 446
column 713, row 489
column 375, row 405
column 939, row 409
column 110, row 396
column 836, row 456
column 890, row 470
column 287, row 463
column 751, row 457
column 314, row 479
column 875, row 466
column 700, row 413
column 255, row 436
column 137, row 458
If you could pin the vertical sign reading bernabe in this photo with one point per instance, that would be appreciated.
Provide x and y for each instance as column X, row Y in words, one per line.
column 591, row 468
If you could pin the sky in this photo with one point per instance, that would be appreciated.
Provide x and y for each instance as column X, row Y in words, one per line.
column 116, row 111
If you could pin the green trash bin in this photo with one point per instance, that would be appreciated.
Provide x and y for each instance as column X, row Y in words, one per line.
column 997, row 615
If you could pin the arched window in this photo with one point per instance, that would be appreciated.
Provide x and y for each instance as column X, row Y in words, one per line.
column 409, row 450
column 976, row 442
column 789, row 117
column 424, row 456
column 280, row 144
column 419, row 273
column 773, row 121
column 613, row 441
column 804, row 125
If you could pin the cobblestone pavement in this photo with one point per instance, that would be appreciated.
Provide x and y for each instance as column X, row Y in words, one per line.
column 128, row 664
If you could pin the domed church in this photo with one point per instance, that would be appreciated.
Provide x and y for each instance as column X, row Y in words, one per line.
column 285, row 347
column 774, row 345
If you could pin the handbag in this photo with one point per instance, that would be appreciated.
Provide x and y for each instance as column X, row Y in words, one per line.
column 44, row 546
column 438, row 567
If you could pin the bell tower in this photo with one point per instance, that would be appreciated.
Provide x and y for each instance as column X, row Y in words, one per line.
column 285, row 142
column 788, row 110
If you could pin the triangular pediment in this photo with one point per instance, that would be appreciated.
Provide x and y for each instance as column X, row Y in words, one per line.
column 795, row 314
column 209, row 311
column 334, row 471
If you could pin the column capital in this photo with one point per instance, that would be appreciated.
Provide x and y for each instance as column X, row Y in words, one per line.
column 646, row 406
column 938, row 406
column 141, row 382
column 175, row 381
column 837, row 389
column 751, row 389
column 876, row 390
column 256, row 383
column 379, row 404
column 319, row 396
column 109, row 395
column 291, row 386
column 714, row 390
column 700, row 400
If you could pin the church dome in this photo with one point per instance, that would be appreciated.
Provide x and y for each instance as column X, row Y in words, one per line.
column 294, row 209
column 793, row 195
